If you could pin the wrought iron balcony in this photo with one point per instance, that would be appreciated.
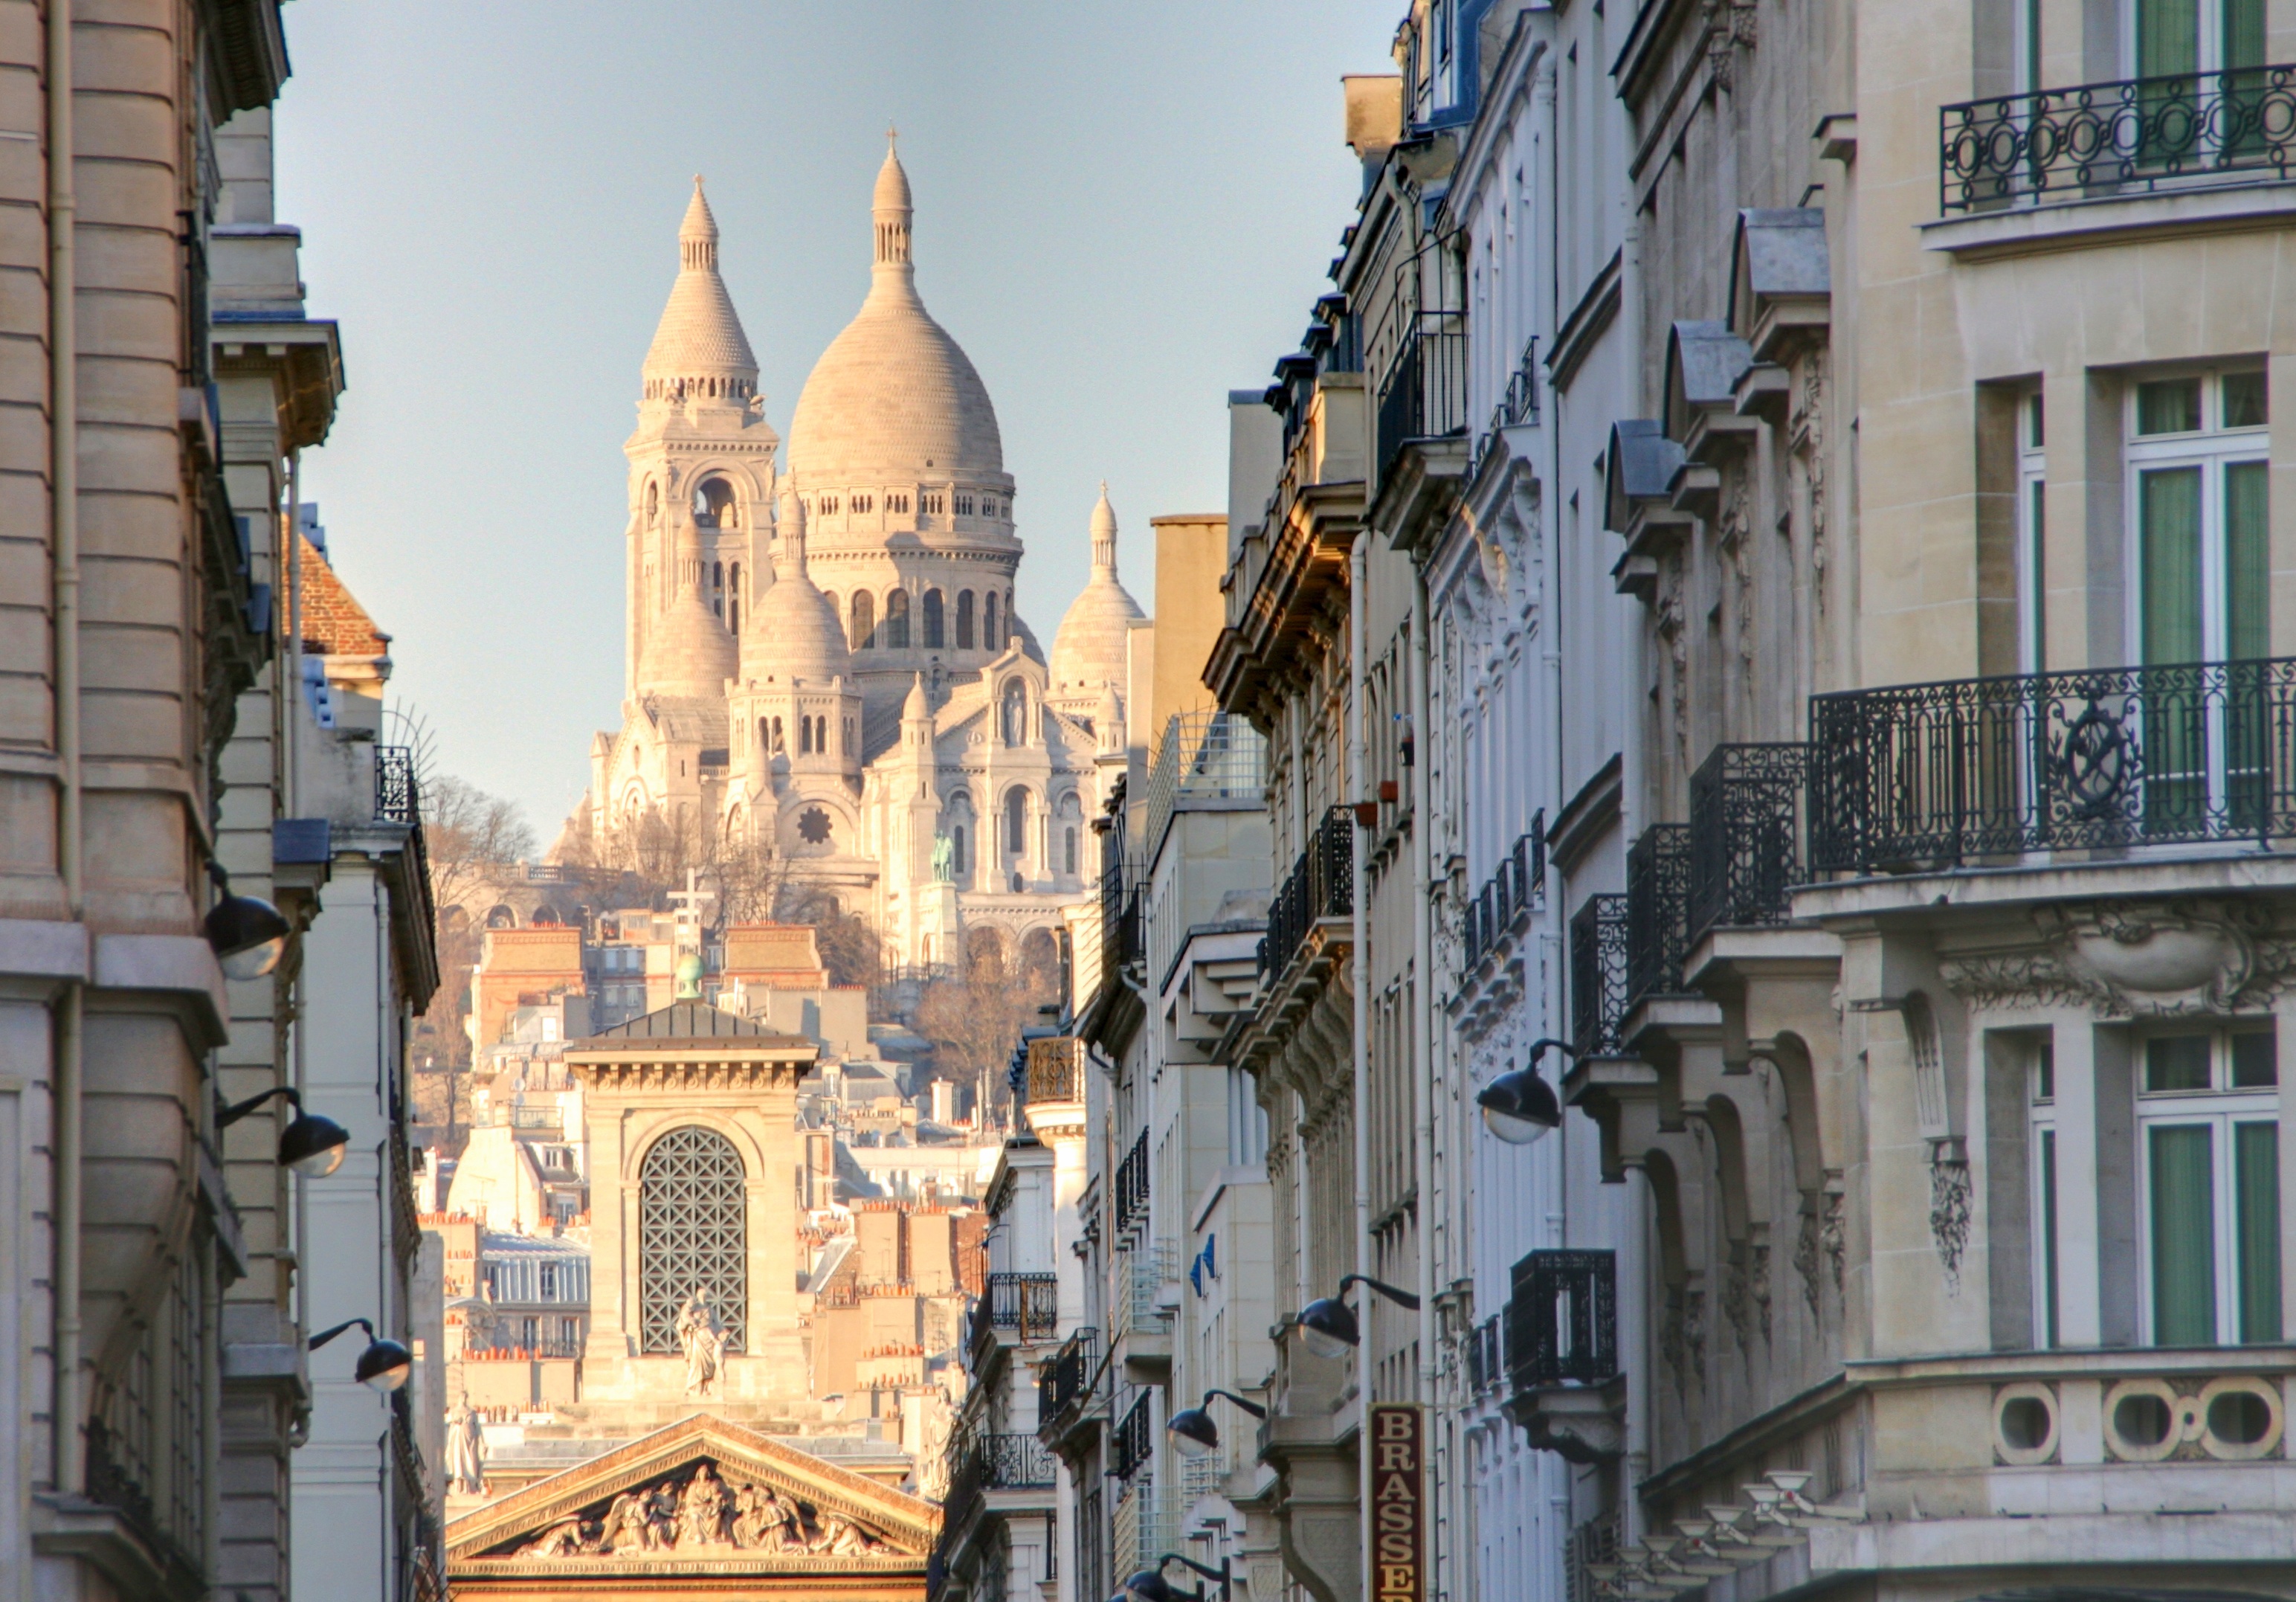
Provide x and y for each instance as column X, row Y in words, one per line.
column 1130, row 1191
column 2106, row 138
column 1658, row 911
column 1513, row 889
column 1485, row 1348
column 1423, row 393
column 1065, row 1383
column 1746, row 835
column 1055, row 1070
column 1517, row 405
column 398, row 790
column 1598, row 975
column 1321, row 886
column 994, row 1462
column 1029, row 1304
column 1922, row 778
column 1119, row 913
column 1563, row 1319
column 1132, row 1442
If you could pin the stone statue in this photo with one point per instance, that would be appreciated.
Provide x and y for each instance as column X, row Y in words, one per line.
column 661, row 1517
column 628, row 1529
column 466, row 1451
column 842, row 1538
column 560, row 1541
column 701, row 1512
column 944, row 859
column 703, row 1343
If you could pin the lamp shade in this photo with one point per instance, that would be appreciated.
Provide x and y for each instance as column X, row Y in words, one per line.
column 1194, row 1432
column 1149, row 1585
column 1327, row 1328
column 313, row 1145
column 1520, row 1107
column 384, row 1365
column 247, row 935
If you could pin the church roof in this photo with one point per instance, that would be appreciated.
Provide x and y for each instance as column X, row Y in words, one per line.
column 1092, row 646
column 894, row 397
column 699, row 335
column 684, row 1021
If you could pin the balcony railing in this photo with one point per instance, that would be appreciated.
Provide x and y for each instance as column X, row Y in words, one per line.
column 1658, row 910
column 996, row 1462
column 1423, row 393
column 1119, row 914
column 1598, row 975
column 1919, row 777
column 2141, row 132
column 1513, row 889
column 1147, row 1269
column 1130, row 1191
column 1203, row 756
column 1321, row 886
column 398, row 792
column 1485, row 1348
column 1517, row 405
column 1562, row 1320
column 1055, row 1070
column 1133, row 1441
column 1065, row 1383
column 1746, row 835
column 1029, row 1304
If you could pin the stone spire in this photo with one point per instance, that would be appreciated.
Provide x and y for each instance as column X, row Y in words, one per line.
column 699, row 351
column 1103, row 535
column 890, row 209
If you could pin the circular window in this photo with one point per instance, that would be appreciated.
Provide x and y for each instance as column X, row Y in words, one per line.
column 812, row 827
column 2241, row 1419
column 2144, row 1420
column 2024, row 1424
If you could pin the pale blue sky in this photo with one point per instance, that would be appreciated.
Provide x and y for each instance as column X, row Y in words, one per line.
column 1123, row 211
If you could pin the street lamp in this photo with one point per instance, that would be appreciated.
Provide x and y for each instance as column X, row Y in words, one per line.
column 1520, row 1107
column 1327, row 1325
column 384, row 1367
column 1149, row 1585
column 1195, row 1434
column 246, row 934
column 311, row 1143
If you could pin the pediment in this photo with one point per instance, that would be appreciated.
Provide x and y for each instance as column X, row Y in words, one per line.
column 700, row 1496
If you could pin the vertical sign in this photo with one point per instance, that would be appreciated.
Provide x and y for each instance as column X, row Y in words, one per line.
column 1398, row 1502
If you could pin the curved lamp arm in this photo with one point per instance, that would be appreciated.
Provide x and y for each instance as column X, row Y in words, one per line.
column 1252, row 1408
column 1538, row 1050
column 1402, row 1299
column 325, row 1336
column 232, row 1114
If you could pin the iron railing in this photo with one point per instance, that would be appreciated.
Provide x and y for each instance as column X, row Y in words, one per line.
column 994, row 1462
column 1518, row 404
column 1148, row 1267
column 1746, row 835
column 1658, row 908
column 1563, row 1324
column 1321, row 886
column 1119, row 914
column 1203, row 756
column 1055, row 1070
column 1514, row 887
column 1933, row 776
column 1130, row 1191
column 1598, row 976
column 398, row 790
column 2109, row 138
column 1422, row 395
column 1030, row 1304
column 1065, row 1382
column 1485, row 1348
column 1133, row 1441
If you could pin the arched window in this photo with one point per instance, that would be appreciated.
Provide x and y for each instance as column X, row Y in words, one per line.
column 654, row 502
column 864, row 621
column 897, row 620
column 933, row 641
column 1016, row 821
column 777, row 734
column 994, row 635
column 717, row 587
column 965, row 620
column 713, row 505
column 805, row 737
column 694, row 1236
column 733, row 598
column 1014, row 715
column 1068, row 852
column 957, row 850
column 846, row 747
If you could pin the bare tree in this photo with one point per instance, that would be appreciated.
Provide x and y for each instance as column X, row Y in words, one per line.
column 470, row 838
column 973, row 1022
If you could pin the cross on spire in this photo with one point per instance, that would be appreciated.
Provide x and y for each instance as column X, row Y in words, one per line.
column 688, row 915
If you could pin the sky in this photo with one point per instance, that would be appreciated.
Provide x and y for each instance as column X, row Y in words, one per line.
column 1123, row 211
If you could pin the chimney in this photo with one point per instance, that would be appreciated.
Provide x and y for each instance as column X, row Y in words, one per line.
column 1374, row 113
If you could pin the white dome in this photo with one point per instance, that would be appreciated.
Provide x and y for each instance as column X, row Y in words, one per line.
column 792, row 632
column 688, row 652
column 894, row 395
column 699, row 336
column 1092, row 644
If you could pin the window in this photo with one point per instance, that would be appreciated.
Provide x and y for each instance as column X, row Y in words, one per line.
column 1069, row 851
column 2172, row 37
column 964, row 505
column 965, row 620
column 933, row 620
column 931, row 501
column 865, row 503
column 549, row 1274
column 994, row 633
column 569, row 1332
column 805, row 737
column 692, row 1236
column 846, row 748
column 829, row 506
column 897, row 503
column 2041, row 1099
column 734, row 598
column 897, row 620
column 1016, row 821
column 957, row 850
column 714, row 506
column 2032, row 591
column 2209, row 1170
column 864, row 621
column 529, row 1333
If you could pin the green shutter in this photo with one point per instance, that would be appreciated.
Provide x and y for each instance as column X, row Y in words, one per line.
column 2183, row 1236
column 2256, row 1219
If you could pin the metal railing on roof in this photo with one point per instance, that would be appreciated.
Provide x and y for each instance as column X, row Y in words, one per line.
column 1203, row 756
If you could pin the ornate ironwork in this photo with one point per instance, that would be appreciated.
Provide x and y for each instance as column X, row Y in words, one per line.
column 1132, row 1441
column 994, row 1462
column 397, row 789
column 1030, row 1304
column 1563, row 1323
column 1055, row 1070
column 1130, row 1191
column 1321, row 886
column 1598, row 975
column 2108, row 137
column 1931, row 775
column 693, row 1237
column 1517, row 885
column 1486, row 1353
column 1746, row 835
column 1065, row 1383
column 1658, row 910
column 1422, row 394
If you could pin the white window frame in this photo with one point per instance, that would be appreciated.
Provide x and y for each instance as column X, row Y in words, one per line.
column 2032, row 530
column 2041, row 1121
column 2221, row 1109
column 2212, row 447
column 2211, row 39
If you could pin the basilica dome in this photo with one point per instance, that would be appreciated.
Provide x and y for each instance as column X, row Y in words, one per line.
column 893, row 397
column 699, row 347
column 688, row 653
column 794, row 632
column 1091, row 647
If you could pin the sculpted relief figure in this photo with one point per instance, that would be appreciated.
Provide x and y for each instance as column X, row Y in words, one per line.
column 704, row 1343
column 628, row 1529
column 466, row 1451
column 702, row 1514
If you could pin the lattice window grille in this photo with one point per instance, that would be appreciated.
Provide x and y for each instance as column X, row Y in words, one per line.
column 692, row 1235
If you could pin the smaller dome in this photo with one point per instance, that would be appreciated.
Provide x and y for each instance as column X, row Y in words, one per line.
column 688, row 652
column 792, row 632
column 1092, row 644
column 916, row 707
